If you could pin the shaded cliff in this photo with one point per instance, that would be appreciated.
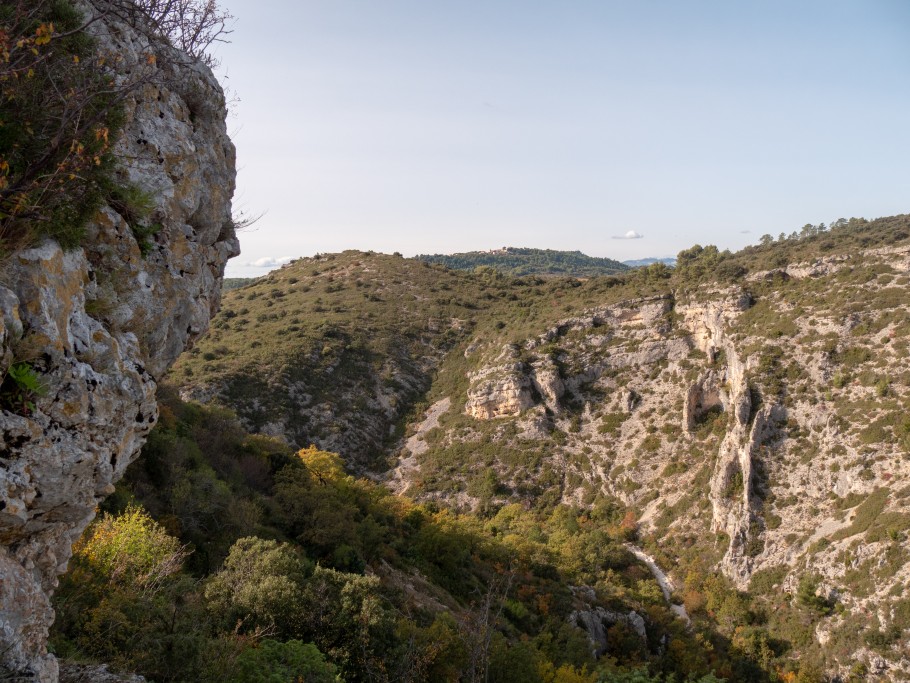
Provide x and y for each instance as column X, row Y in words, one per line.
column 96, row 326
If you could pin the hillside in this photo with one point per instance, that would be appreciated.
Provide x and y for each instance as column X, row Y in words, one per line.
column 236, row 282
column 358, row 329
column 749, row 409
column 519, row 262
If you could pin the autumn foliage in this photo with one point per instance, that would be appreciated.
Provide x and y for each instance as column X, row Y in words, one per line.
column 57, row 117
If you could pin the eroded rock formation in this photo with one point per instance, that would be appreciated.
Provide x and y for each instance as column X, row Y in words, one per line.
column 500, row 390
column 100, row 324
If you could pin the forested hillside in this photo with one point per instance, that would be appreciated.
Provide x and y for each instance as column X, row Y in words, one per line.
column 258, row 549
column 521, row 261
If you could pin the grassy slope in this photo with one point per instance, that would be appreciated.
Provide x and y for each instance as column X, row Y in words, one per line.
column 337, row 349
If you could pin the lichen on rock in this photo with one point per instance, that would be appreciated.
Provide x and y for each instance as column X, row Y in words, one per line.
column 99, row 325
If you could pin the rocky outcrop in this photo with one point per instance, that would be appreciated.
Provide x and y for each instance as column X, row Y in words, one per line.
column 731, row 492
column 638, row 338
column 99, row 325
column 500, row 390
column 547, row 381
column 703, row 396
column 708, row 321
column 596, row 621
column 514, row 382
column 734, row 506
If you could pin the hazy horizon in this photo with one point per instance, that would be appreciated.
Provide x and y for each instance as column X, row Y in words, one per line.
column 458, row 127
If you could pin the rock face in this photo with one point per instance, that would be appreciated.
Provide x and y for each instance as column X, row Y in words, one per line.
column 762, row 423
column 510, row 384
column 100, row 325
column 500, row 390
column 596, row 621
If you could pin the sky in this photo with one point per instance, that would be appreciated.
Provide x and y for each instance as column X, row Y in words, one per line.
column 621, row 129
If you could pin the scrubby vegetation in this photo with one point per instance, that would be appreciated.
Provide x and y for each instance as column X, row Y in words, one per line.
column 62, row 110
column 235, row 283
column 509, row 526
column 371, row 342
column 59, row 117
column 222, row 556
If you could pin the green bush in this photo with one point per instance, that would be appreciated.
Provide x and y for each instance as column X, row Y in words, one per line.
column 20, row 386
column 866, row 514
column 611, row 422
column 271, row 661
column 807, row 596
column 261, row 586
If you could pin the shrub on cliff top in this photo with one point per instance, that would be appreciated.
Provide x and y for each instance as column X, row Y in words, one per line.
column 58, row 122
column 61, row 107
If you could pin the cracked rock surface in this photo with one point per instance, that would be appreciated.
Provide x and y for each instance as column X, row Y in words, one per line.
column 99, row 325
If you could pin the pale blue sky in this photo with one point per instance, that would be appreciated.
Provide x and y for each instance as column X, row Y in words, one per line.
column 422, row 126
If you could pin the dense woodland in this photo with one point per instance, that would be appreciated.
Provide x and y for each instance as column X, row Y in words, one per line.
column 225, row 556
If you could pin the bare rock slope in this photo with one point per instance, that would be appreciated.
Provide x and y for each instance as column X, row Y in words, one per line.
column 100, row 325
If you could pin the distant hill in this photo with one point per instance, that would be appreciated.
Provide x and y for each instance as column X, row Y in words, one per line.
column 640, row 263
column 517, row 262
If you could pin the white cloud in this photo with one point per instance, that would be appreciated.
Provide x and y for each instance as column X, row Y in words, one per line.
column 269, row 262
column 631, row 235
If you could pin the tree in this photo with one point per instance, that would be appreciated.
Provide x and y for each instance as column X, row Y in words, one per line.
column 131, row 551
column 192, row 26
column 126, row 601
column 807, row 595
column 346, row 617
column 479, row 629
column 260, row 586
column 697, row 262
column 60, row 112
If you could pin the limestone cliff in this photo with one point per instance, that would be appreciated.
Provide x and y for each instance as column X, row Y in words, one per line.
column 100, row 324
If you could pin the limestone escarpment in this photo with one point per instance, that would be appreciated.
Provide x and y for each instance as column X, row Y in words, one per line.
column 516, row 380
column 770, row 424
column 100, row 324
